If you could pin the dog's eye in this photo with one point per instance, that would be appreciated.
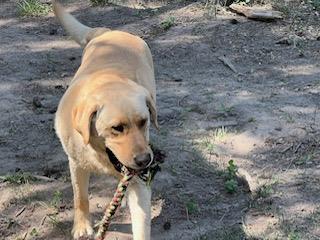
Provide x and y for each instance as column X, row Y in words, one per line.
column 142, row 123
column 118, row 128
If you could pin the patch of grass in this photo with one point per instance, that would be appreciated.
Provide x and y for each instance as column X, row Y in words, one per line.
column 192, row 207
column 208, row 145
column 231, row 183
column 294, row 236
column 33, row 8
column 289, row 118
column 227, row 109
column 99, row 2
column 220, row 133
column 56, row 199
column 252, row 120
column 265, row 191
column 18, row 178
column 304, row 159
column 168, row 23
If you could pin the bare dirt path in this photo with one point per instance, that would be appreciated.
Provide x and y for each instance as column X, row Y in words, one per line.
column 265, row 117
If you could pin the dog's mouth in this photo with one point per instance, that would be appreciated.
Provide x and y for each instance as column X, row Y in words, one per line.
column 119, row 166
column 114, row 160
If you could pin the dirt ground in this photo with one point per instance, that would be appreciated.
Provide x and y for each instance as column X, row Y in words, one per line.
column 265, row 116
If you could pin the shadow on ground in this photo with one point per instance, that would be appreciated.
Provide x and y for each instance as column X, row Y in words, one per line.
column 269, row 108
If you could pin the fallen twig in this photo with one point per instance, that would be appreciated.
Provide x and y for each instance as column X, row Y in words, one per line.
column 297, row 148
column 44, row 178
column 20, row 211
column 226, row 61
column 220, row 220
column 286, row 149
column 187, row 213
column 257, row 13
column 43, row 220
column 25, row 235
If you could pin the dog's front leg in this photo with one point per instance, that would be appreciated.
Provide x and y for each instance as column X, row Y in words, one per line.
column 139, row 196
column 80, row 184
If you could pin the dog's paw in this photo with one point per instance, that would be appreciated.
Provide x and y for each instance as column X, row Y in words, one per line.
column 82, row 230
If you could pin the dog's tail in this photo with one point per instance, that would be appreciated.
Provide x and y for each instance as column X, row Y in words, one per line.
column 82, row 34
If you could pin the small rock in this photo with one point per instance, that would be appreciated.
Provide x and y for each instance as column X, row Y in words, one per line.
column 167, row 225
column 37, row 102
column 234, row 21
column 177, row 80
column 58, row 87
column 53, row 32
column 53, row 110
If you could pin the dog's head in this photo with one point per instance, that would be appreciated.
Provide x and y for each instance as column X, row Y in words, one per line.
column 116, row 120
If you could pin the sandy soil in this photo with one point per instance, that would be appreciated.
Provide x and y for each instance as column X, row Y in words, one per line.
column 264, row 116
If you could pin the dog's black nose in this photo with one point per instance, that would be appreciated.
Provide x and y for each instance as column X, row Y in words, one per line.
column 143, row 160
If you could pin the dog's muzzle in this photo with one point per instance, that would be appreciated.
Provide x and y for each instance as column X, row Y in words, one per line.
column 143, row 161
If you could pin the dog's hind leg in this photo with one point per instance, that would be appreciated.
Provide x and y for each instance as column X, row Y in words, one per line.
column 139, row 196
column 80, row 184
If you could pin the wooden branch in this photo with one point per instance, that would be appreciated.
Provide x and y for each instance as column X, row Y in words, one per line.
column 256, row 13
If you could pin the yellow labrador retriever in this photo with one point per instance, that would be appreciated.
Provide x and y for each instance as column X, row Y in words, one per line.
column 103, row 118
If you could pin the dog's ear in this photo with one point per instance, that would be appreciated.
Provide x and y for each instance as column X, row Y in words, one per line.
column 153, row 111
column 81, row 119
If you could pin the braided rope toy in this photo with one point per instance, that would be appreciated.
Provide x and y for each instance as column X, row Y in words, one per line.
column 146, row 175
column 114, row 204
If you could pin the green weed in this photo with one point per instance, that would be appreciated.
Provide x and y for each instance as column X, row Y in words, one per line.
column 232, row 169
column 18, row 178
column 56, row 199
column 33, row 8
column 293, row 236
column 168, row 23
column 265, row 191
column 304, row 159
column 192, row 207
column 220, row 133
column 252, row 120
column 231, row 183
column 227, row 109
column 34, row 232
